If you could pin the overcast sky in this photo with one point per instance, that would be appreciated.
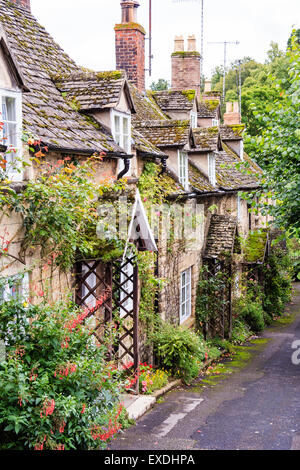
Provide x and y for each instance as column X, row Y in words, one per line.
column 85, row 28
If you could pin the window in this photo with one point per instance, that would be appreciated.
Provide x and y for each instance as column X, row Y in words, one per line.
column 215, row 122
column 16, row 287
column 212, row 169
column 194, row 119
column 185, row 295
column 121, row 129
column 11, row 116
column 183, row 170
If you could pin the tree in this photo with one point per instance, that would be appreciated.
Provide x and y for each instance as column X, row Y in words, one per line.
column 277, row 149
column 160, row 85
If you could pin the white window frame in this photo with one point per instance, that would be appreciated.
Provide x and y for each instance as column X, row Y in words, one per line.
column 194, row 119
column 18, row 290
column 215, row 122
column 14, row 174
column 119, row 137
column 183, row 169
column 211, row 168
column 185, row 295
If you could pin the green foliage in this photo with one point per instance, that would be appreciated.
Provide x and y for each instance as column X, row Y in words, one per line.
column 60, row 213
column 253, row 315
column 277, row 145
column 179, row 350
column 160, row 85
column 277, row 283
column 57, row 390
column 210, row 301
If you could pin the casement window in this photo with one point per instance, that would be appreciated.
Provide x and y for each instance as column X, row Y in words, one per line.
column 127, row 288
column 212, row 169
column 16, row 287
column 241, row 150
column 121, row 130
column 194, row 119
column 215, row 122
column 11, row 117
column 183, row 169
column 185, row 295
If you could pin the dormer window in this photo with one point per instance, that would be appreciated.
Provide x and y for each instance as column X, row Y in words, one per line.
column 121, row 130
column 194, row 119
column 183, row 169
column 11, row 117
column 212, row 169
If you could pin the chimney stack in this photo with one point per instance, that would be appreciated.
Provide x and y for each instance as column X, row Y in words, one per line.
column 186, row 66
column 207, row 86
column 130, row 45
column 232, row 115
column 22, row 3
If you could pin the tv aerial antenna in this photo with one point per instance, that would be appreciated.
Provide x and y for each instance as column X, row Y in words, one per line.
column 225, row 44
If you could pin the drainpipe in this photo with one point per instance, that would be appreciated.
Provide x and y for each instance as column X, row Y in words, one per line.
column 126, row 169
column 164, row 166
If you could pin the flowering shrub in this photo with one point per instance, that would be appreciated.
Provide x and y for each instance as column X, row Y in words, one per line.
column 150, row 379
column 57, row 390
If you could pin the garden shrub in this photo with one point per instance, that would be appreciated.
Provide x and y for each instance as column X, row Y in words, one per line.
column 278, row 284
column 57, row 390
column 179, row 350
column 253, row 314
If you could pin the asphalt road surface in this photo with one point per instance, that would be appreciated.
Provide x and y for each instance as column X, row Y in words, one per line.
column 256, row 407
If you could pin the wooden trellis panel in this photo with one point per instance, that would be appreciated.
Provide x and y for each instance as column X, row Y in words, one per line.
column 221, row 324
column 111, row 291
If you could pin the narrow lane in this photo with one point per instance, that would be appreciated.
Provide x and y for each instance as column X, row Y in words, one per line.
column 257, row 406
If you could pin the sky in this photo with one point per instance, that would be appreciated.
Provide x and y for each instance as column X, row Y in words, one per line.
column 85, row 29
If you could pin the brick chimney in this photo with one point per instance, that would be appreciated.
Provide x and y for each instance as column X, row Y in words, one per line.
column 22, row 3
column 232, row 115
column 130, row 45
column 186, row 66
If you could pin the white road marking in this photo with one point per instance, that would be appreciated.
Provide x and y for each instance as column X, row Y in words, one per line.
column 174, row 418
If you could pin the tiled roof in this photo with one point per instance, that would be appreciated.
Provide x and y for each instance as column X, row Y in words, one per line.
column 92, row 90
column 208, row 109
column 46, row 113
column 141, row 144
column 175, row 100
column 146, row 107
column 198, row 181
column 166, row 133
column 231, row 173
column 232, row 132
column 206, row 138
column 221, row 236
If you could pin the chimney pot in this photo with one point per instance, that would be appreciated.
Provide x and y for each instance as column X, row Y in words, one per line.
column 192, row 43
column 207, row 86
column 232, row 115
column 179, row 44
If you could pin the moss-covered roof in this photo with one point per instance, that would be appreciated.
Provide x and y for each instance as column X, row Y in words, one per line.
column 209, row 109
column 46, row 113
column 255, row 246
column 166, row 133
column 232, row 173
column 198, row 180
column 146, row 107
column 93, row 90
column 221, row 236
column 175, row 100
column 206, row 138
column 144, row 146
column 232, row 132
